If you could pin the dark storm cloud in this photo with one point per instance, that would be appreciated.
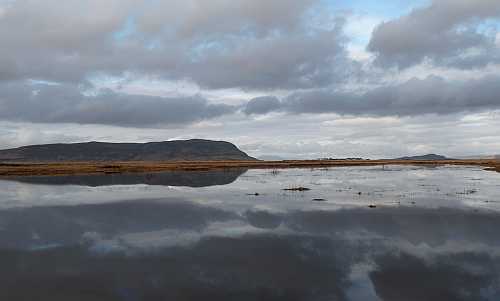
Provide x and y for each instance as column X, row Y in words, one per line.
column 432, row 95
column 67, row 103
column 446, row 32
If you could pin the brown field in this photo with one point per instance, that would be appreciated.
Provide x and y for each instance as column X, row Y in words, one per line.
column 75, row 168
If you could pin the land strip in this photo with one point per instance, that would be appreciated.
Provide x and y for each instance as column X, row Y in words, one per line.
column 10, row 169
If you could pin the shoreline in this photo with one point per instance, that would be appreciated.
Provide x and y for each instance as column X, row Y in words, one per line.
column 19, row 169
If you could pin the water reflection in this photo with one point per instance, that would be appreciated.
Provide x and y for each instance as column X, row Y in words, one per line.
column 264, row 247
column 170, row 178
column 120, row 252
column 448, row 276
column 39, row 227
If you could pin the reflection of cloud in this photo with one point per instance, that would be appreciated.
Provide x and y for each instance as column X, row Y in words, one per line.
column 67, row 225
column 157, row 220
column 263, row 219
column 252, row 267
column 185, row 251
column 433, row 227
column 249, row 267
column 156, row 240
column 463, row 276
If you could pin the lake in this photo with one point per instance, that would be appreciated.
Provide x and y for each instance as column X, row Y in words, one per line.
column 388, row 233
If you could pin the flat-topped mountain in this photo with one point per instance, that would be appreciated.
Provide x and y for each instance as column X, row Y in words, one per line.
column 180, row 150
column 430, row 157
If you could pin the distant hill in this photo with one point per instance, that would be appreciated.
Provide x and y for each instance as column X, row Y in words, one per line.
column 271, row 158
column 181, row 150
column 429, row 157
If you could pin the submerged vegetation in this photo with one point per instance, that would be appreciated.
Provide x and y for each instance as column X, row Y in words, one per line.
column 300, row 188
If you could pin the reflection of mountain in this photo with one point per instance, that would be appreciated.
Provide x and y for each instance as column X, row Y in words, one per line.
column 171, row 178
column 405, row 254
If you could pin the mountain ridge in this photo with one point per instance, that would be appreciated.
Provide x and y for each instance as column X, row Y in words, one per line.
column 175, row 150
column 431, row 157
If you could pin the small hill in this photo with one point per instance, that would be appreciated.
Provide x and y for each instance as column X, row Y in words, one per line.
column 428, row 157
column 271, row 158
column 180, row 150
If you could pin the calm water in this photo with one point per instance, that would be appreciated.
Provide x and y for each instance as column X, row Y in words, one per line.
column 361, row 233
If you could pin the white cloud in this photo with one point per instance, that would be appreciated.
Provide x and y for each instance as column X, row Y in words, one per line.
column 359, row 27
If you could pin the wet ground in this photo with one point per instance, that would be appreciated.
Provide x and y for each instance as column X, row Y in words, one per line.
column 360, row 233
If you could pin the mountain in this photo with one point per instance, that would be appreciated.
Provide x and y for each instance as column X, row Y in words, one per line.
column 429, row 157
column 180, row 150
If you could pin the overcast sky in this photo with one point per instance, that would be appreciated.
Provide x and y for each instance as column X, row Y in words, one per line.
column 291, row 78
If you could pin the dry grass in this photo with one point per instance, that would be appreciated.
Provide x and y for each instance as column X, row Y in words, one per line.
column 72, row 168
column 494, row 167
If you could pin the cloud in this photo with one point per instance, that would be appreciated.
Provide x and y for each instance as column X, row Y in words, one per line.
column 202, row 19
column 262, row 105
column 52, row 46
column 302, row 59
column 446, row 32
column 259, row 45
column 432, row 95
column 41, row 103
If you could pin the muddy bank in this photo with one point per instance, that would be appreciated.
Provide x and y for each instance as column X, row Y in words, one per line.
column 12, row 169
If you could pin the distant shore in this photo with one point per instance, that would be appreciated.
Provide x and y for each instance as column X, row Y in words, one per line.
column 11, row 169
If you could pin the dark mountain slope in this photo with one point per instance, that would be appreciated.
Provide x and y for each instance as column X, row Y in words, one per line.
column 181, row 150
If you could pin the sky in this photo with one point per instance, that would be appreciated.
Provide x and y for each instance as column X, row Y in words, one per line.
column 287, row 78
